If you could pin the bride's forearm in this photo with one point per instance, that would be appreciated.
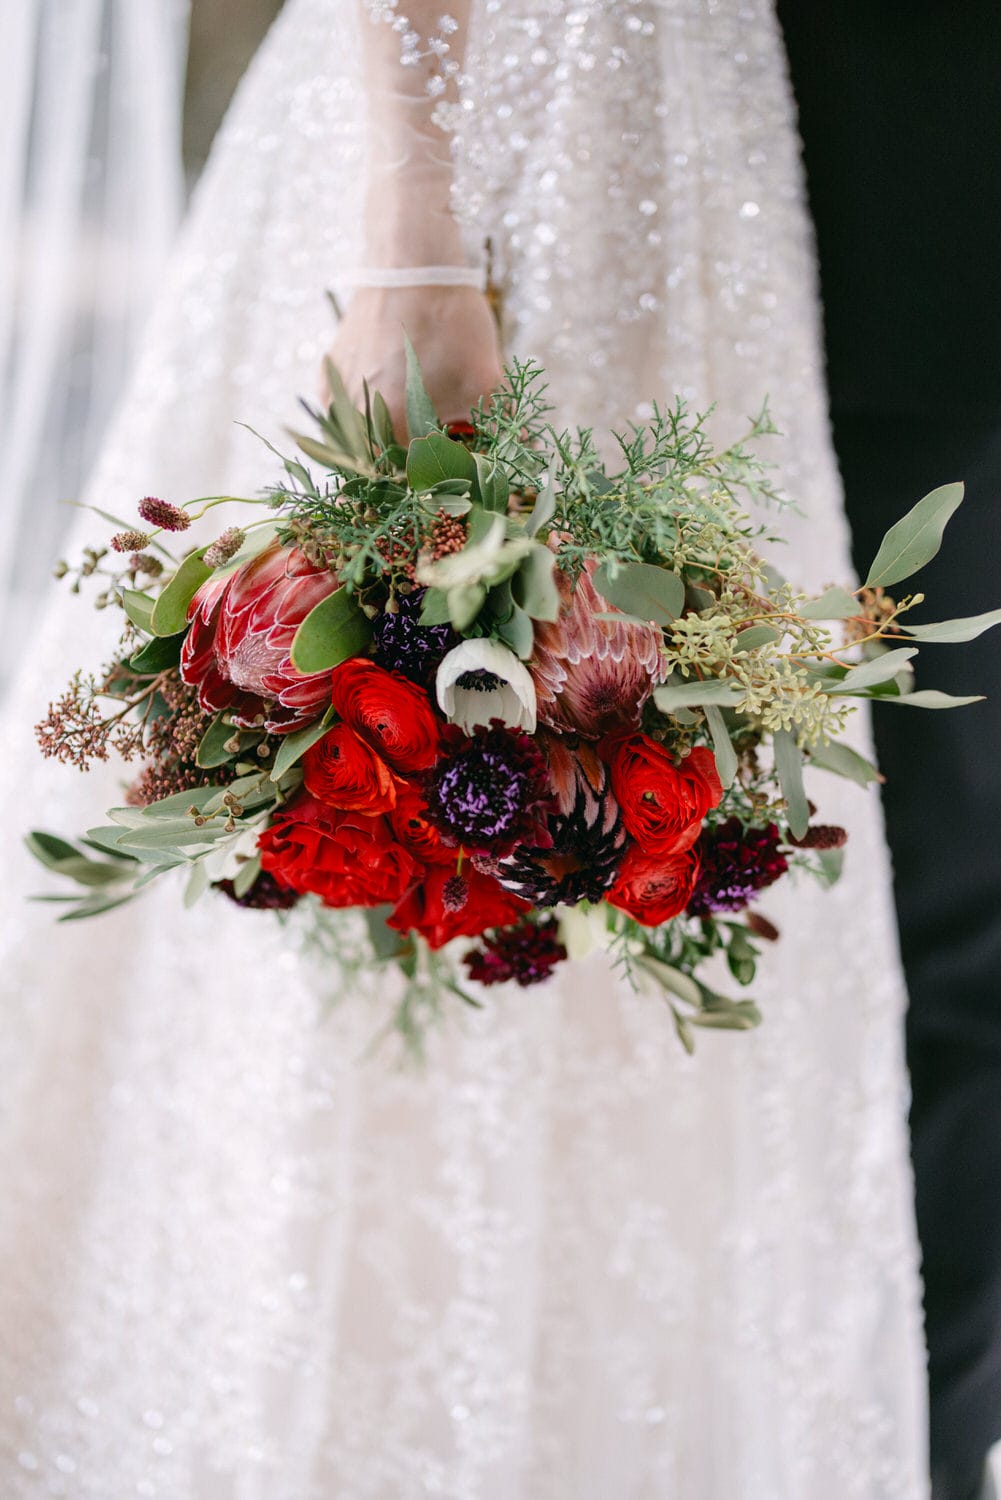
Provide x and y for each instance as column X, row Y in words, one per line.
column 410, row 72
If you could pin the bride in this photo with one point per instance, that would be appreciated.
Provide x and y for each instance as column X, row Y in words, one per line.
column 240, row 1260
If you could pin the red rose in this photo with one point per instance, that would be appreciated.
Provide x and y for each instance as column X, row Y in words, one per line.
column 345, row 858
column 389, row 712
column 443, row 905
column 237, row 651
column 410, row 824
column 652, row 888
column 662, row 804
column 342, row 771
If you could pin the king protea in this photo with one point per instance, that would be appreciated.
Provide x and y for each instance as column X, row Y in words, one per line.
column 592, row 672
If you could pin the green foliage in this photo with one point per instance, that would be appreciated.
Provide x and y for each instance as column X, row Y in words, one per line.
column 916, row 537
column 333, row 630
column 170, row 612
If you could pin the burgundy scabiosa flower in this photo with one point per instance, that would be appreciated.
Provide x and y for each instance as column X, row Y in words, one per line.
column 491, row 792
column 526, row 953
column 264, row 895
column 237, row 652
column 737, row 862
column 586, row 831
column 402, row 644
column 592, row 676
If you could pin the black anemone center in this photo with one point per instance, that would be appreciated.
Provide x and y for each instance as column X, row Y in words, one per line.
column 480, row 680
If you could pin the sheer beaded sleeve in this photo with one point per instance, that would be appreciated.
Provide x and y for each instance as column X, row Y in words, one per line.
column 411, row 65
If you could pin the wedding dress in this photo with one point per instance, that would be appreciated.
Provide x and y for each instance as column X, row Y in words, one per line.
column 240, row 1259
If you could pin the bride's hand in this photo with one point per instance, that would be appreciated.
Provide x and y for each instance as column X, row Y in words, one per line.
column 453, row 331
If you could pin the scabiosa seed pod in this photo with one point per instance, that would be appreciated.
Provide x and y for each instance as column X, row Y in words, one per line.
column 129, row 541
column 736, row 863
column 162, row 513
column 526, row 953
column 224, row 547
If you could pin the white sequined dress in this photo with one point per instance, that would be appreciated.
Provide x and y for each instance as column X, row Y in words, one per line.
column 241, row 1261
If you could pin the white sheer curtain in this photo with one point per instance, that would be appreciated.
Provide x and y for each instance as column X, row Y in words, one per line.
column 91, row 191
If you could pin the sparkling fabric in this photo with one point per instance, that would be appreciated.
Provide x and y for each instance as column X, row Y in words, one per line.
column 243, row 1258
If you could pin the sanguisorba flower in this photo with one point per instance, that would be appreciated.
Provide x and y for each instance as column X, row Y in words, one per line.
column 593, row 675
column 481, row 680
column 237, row 651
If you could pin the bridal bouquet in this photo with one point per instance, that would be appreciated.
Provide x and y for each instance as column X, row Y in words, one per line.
column 507, row 701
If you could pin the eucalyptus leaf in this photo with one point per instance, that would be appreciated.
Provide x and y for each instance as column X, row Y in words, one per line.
column 545, row 502
column 464, row 603
column 196, row 886
column 844, row 761
column 534, row 584
column 671, row 979
column 106, row 840
column 246, row 875
column 212, row 750
column 868, row 674
column 932, row 698
column 493, row 484
column 382, row 422
column 170, row 612
column 421, row 415
column 517, row 632
column 94, row 908
column 386, row 943
column 696, row 694
column 158, row 654
column 833, row 604
column 756, row 636
column 139, row 608
column 954, row 631
column 333, row 630
column 294, row 746
column 789, row 766
column 726, row 756
column 915, row 539
column 329, row 456
column 434, row 607
column 344, row 414
column 436, row 457
column 642, row 589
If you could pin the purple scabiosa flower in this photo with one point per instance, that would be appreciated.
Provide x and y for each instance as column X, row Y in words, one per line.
column 491, row 792
column 403, row 644
column 737, row 862
column 526, row 953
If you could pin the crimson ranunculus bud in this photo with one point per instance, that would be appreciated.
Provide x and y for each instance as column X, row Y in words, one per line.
column 389, row 712
column 663, row 804
column 654, row 888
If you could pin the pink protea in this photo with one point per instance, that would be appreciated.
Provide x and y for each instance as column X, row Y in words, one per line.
column 593, row 675
column 237, row 651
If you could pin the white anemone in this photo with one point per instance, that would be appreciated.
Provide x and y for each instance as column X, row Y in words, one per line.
column 480, row 680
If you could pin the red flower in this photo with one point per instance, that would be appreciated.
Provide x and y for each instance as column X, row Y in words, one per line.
column 342, row 771
column 345, row 858
column 662, row 804
column 652, row 888
column 443, row 905
column 237, row 651
column 410, row 824
column 389, row 712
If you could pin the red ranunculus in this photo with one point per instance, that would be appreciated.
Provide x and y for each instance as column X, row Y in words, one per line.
column 237, row 651
column 345, row 858
column 389, row 712
column 410, row 824
column 652, row 888
column 443, row 905
column 342, row 771
column 662, row 804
